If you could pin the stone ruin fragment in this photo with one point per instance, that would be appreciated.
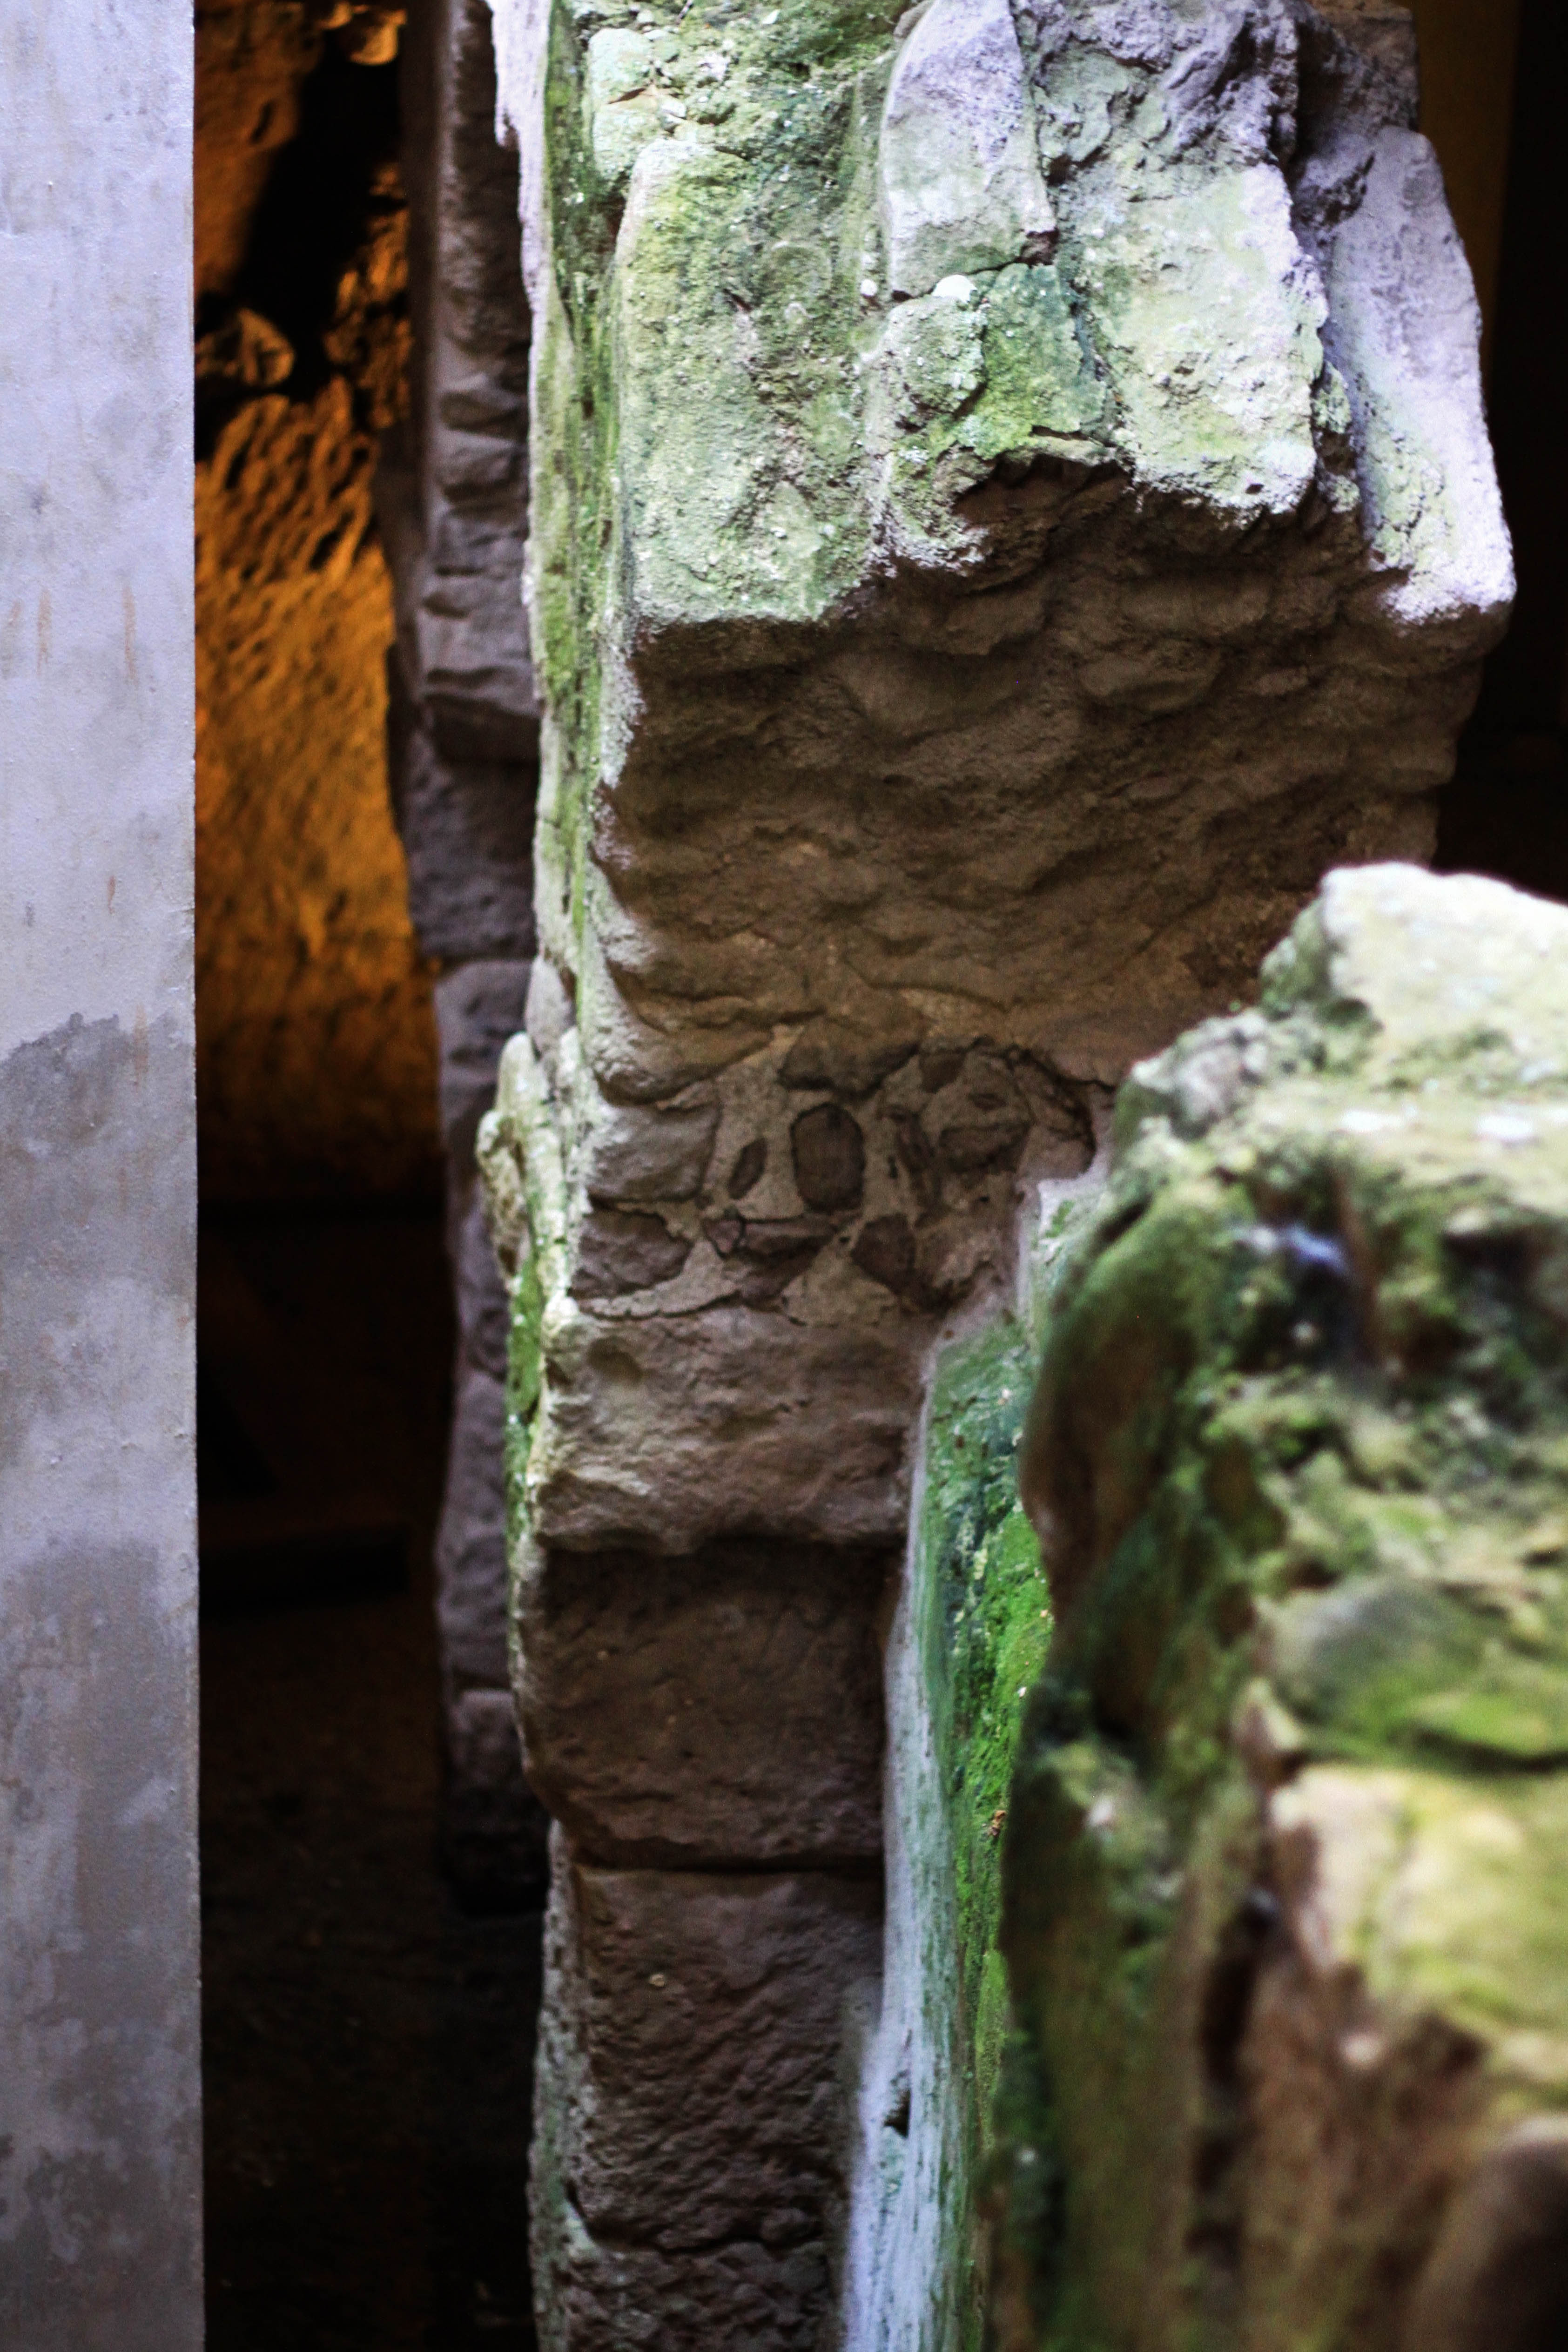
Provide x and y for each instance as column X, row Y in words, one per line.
column 1285, row 1860
column 464, row 746
column 1009, row 508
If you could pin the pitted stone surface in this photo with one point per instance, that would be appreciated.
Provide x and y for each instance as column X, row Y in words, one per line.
column 687, row 2179
column 1285, row 1838
column 1009, row 508
column 724, row 1709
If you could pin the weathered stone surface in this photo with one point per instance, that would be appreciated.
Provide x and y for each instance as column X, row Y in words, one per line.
column 1131, row 584
column 1009, row 507
column 252, row 55
column 1283, row 1857
column 958, row 159
column 768, row 1374
column 687, row 2181
column 451, row 501
column 465, row 827
column 967, row 1640
column 317, row 1049
column 722, row 1708
column 477, row 1008
column 454, row 497
column 493, row 1828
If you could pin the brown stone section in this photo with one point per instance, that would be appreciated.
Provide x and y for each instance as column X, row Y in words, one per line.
column 451, row 497
column 720, row 1708
column 686, row 2108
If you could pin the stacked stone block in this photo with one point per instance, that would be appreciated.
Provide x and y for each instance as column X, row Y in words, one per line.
column 453, row 502
column 1284, row 1852
column 1009, row 507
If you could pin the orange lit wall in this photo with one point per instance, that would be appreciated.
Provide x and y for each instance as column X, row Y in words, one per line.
column 316, row 1038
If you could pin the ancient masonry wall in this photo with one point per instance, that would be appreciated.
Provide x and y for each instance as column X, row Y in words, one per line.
column 100, row 2007
column 452, row 497
column 1284, row 1857
column 1009, row 508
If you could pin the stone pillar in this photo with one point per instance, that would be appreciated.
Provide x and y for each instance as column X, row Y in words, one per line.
column 100, row 2018
column 1010, row 506
column 451, row 499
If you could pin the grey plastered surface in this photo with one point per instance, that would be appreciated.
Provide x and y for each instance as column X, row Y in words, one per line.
column 99, row 2114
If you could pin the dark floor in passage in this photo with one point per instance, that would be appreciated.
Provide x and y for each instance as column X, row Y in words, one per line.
column 368, row 2048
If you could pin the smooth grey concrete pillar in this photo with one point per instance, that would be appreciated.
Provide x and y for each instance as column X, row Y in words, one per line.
column 99, row 2061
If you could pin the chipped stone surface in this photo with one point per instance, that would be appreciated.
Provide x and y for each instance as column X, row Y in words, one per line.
column 780, row 1325
column 687, row 2177
column 958, row 161
column 1110, row 579
column 1002, row 525
column 452, row 502
column 1291, row 1795
column 721, row 1709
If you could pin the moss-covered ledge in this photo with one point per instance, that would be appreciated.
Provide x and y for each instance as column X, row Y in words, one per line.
column 968, row 1644
column 1285, row 1860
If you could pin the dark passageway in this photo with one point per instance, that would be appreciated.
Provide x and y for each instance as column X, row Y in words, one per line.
column 368, row 2023
column 368, row 2044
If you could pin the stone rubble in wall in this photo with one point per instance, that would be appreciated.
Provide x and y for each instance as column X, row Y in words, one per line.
column 452, row 501
column 1010, row 508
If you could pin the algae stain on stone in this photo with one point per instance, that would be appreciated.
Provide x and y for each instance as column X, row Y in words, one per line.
column 1284, row 1835
column 971, row 1644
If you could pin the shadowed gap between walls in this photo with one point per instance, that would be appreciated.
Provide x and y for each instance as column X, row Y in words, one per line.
column 368, row 2039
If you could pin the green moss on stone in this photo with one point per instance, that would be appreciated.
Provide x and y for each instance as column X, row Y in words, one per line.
column 1300, row 1442
column 990, row 1625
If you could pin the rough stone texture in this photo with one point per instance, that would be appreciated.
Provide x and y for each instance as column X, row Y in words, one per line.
column 317, row 1049
column 713, row 1366
column 1283, row 1864
column 465, row 829
column 682, row 1713
column 451, row 496
column 1009, row 508
column 100, row 2236
column 318, row 1062
column 251, row 60
column 493, row 1835
column 1131, row 587
column 688, row 2187
column 455, row 496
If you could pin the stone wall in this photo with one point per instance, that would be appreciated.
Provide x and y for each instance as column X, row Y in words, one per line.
column 1011, row 507
column 1283, row 1852
column 367, row 740
column 315, row 1042
column 451, row 496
